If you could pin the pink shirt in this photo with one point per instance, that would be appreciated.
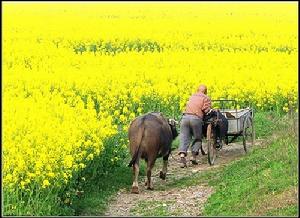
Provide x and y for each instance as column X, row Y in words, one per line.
column 198, row 104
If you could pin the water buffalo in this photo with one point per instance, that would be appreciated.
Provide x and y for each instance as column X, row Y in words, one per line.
column 150, row 136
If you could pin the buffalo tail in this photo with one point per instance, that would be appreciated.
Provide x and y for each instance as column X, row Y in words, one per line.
column 139, row 140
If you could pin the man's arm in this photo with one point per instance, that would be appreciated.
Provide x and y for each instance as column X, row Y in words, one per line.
column 206, row 108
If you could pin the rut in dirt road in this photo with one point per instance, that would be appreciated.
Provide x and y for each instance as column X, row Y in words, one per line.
column 188, row 201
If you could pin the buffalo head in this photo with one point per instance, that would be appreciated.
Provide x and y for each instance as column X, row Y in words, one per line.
column 173, row 124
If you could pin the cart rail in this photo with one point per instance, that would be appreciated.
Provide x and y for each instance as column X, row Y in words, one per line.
column 236, row 117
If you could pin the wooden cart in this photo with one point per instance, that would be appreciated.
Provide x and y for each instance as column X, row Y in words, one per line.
column 240, row 124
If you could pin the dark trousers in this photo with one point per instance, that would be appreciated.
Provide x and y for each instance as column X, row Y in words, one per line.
column 190, row 128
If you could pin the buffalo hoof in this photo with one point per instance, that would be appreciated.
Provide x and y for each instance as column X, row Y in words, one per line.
column 194, row 162
column 135, row 189
column 150, row 188
column 162, row 175
column 203, row 152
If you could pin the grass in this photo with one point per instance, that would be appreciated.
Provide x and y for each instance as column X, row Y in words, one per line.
column 152, row 208
column 290, row 210
column 265, row 123
column 248, row 187
column 245, row 186
column 96, row 195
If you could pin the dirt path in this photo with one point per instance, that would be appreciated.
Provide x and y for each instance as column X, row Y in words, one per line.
column 173, row 201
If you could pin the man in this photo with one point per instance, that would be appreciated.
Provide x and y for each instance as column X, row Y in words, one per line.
column 198, row 105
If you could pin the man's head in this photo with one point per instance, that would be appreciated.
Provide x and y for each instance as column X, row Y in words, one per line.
column 203, row 89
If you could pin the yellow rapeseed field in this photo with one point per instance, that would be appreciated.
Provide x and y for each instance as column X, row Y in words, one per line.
column 75, row 74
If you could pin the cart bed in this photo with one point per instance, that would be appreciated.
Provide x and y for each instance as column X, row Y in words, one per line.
column 236, row 119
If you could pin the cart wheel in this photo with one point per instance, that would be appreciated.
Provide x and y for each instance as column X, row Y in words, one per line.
column 248, row 133
column 211, row 145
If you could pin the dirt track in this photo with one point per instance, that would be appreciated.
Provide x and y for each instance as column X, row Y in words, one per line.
column 188, row 201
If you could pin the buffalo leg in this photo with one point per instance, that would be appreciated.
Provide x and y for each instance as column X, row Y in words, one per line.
column 135, row 185
column 146, row 179
column 163, row 173
column 150, row 164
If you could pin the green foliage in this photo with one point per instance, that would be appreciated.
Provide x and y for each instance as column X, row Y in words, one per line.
column 97, row 193
column 31, row 202
column 244, row 184
column 116, row 46
column 157, row 104
column 265, row 123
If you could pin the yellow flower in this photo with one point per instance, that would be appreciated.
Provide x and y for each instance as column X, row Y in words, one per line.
column 90, row 157
column 46, row 183
column 22, row 184
column 31, row 175
column 82, row 165
column 286, row 109
column 122, row 118
column 132, row 115
column 116, row 113
column 48, row 167
column 125, row 110
column 62, row 102
column 51, row 174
